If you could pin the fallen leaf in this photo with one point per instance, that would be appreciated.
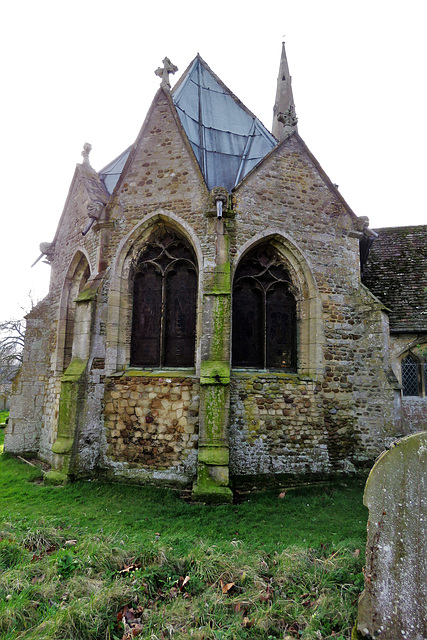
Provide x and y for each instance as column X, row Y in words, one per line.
column 131, row 567
column 226, row 587
column 282, row 495
column 70, row 543
column 182, row 582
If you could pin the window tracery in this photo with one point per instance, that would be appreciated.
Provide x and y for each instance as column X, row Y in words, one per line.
column 164, row 303
column 264, row 313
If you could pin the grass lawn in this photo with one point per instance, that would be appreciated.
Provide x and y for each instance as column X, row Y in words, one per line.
column 98, row 561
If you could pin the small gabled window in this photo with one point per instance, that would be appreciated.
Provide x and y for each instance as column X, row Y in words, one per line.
column 264, row 313
column 164, row 303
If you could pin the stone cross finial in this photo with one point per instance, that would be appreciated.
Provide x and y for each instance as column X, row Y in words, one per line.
column 164, row 72
column 87, row 148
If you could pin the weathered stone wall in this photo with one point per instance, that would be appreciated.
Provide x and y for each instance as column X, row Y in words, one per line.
column 290, row 193
column 162, row 175
column 291, row 200
column 26, row 415
column 152, row 422
column 36, row 394
column 50, row 417
column 276, row 425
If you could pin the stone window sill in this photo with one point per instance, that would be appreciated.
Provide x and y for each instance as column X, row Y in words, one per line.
column 184, row 372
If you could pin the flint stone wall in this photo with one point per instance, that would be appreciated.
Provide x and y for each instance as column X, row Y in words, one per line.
column 276, row 425
column 152, row 422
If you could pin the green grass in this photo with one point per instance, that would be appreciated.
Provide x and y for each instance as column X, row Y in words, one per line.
column 3, row 416
column 295, row 564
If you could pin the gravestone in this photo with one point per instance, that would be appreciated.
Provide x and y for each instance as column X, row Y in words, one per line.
column 393, row 605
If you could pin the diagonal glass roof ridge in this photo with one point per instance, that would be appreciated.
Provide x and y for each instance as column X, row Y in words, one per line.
column 227, row 139
column 111, row 173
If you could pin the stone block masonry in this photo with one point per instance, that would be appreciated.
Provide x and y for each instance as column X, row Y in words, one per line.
column 152, row 422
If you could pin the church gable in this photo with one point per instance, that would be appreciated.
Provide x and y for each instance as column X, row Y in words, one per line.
column 161, row 163
column 85, row 202
column 290, row 175
column 289, row 190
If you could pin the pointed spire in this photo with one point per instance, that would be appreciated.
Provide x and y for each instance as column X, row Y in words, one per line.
column 284, row 116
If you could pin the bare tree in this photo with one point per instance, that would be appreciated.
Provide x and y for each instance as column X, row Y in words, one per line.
column 12, row 335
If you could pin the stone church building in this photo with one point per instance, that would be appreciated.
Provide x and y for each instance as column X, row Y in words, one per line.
column 217, row 313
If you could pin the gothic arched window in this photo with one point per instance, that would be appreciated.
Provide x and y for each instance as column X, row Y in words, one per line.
column 164, row 303
column 264, row 313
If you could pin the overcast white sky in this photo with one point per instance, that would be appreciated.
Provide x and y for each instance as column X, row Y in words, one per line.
column 84, row 71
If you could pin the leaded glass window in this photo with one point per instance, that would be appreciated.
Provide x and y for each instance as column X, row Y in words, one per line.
column 264, row 313
column 410, row 376
column 164, row 303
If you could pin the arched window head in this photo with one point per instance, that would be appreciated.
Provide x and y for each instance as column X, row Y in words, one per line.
column 264, row 313
column 164, row 303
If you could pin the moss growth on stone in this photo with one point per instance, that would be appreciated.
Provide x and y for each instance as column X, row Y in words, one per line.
column 62, row 445
column 214, row 372
column 55, row 478
column 222, row 282
column 89, row 292
column 155, row 373
column 72, row 390
column 215, row 402
column 214, row 454
column 75, row 370
column 212, row 490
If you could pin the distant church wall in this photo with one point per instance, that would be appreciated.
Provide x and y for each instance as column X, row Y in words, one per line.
column 413, row 398
column 26, row 415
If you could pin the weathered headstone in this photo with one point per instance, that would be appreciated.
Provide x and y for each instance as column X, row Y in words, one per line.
column 394, row 603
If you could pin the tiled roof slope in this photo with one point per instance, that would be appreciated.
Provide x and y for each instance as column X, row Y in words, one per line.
column 396, row 272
